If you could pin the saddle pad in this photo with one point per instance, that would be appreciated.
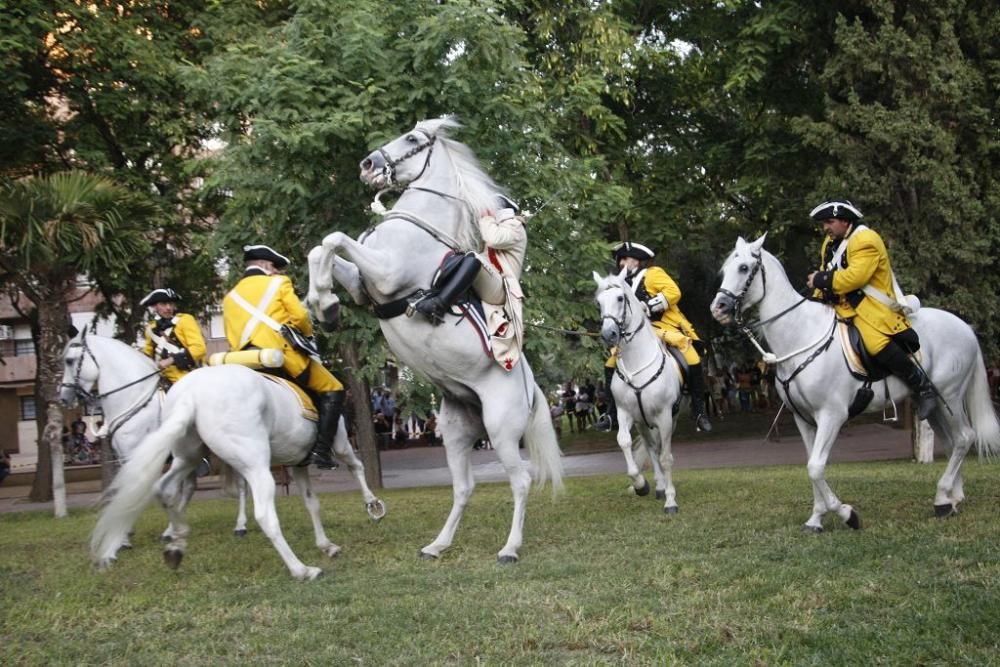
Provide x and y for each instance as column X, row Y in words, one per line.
column 305, row 403
column 850, row 355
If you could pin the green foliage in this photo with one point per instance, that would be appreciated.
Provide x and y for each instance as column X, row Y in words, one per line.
column 909, row 126
column 53, row 228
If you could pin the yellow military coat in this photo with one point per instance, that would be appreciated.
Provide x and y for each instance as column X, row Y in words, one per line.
column 864, row 262
column 283, row 308
column 184, row 333
column 671, row 325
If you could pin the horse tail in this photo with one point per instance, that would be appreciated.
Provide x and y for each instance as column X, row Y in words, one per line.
column 543, row 446
column 981, row 412
column 132, row 487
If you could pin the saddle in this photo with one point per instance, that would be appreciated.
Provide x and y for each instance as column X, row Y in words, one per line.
column 864, row 366
column 267, row 363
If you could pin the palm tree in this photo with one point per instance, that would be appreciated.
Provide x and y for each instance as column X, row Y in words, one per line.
column 53, row 229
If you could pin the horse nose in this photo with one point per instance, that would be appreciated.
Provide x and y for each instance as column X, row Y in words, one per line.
column 373, row 161
column 609, row 335
column 721, row 306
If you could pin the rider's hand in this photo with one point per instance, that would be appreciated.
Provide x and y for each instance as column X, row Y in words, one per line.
column 657, row 304
column 164, row 363
column 809, row 280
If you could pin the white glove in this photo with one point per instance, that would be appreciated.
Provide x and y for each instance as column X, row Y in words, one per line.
column 657, row 304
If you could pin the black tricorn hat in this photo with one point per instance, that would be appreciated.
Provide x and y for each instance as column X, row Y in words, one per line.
column 161, row 295
column 264, row 252
column 841, row 209
column 629, row 249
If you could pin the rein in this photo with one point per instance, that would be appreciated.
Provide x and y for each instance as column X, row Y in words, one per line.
column 90, row 398
column 819, row 346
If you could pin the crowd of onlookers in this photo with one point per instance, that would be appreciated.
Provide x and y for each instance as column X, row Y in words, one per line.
column 396, row 427
column 738, row 389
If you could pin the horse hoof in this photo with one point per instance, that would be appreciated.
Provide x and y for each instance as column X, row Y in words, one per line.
column 125, row 545
column 172, row 557
column 661, row 495
column 644, row 490
column 376, row 510
column 166, row 538
column 812, row 530
column 673, row 509
column 854, row 521
column 426, row 556
column 506, row 560
column 945, row 511
column 242, row 532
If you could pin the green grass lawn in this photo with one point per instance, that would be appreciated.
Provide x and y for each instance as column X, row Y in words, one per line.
column 605, row 578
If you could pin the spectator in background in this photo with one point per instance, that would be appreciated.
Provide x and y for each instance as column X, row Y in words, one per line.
column 744, row 384
column 583, row 409
column 569, row 404
column 4, row 465
column 993, row 377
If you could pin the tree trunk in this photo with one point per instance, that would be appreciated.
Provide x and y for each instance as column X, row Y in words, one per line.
column 360, row 396
column 53, row 321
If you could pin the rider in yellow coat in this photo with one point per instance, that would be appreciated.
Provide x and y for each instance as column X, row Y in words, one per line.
column 854, row 272
column 173, row 340
column 661, row 295
column 254, row 313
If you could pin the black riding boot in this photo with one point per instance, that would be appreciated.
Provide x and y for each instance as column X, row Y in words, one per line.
column 896, row 361
column 435, row 307
column 329, row 405
column 609, row 374
column 696, row 385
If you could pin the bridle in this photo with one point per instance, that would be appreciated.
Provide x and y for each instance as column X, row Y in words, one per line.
column 389, row 170
column 92, row 399
column 621, row 322
column 738, row 298
column 626, row 336
column 818, row 347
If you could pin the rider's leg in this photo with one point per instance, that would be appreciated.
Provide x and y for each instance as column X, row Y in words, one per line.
column 330, row 405
column 696, row 385
column 435, row 307
column 696, row 381
column 899, row 363
column 609, row 374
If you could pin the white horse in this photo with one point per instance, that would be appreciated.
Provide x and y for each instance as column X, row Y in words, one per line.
column 247, row 420
column 128, row 393
column 645, row 386
column 435, row 215
column 127, row 390
column 815, row 383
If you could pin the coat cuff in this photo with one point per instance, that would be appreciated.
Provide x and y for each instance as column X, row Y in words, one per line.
column 823, row 280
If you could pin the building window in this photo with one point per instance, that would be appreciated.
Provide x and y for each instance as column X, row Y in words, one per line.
column 28, row 409
column 24, row 347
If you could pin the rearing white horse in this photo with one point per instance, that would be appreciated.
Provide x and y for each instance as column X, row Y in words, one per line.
column 445, row 189
column 815, row 383
column 645, row 385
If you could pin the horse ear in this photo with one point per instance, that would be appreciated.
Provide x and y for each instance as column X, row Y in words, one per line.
column 72, row 331
column 598, row 278
column 623, row 274
column 759, row 243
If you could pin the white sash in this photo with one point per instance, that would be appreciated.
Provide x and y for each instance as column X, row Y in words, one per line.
column 257, row 314
column 901, row 304
column 162, row 343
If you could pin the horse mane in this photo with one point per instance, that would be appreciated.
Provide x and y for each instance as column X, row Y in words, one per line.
column 122, row 348
column 475, row 187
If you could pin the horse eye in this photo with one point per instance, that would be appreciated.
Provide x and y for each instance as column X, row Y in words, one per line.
column 412, row 138
column 744, row 268
column 620, row 298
